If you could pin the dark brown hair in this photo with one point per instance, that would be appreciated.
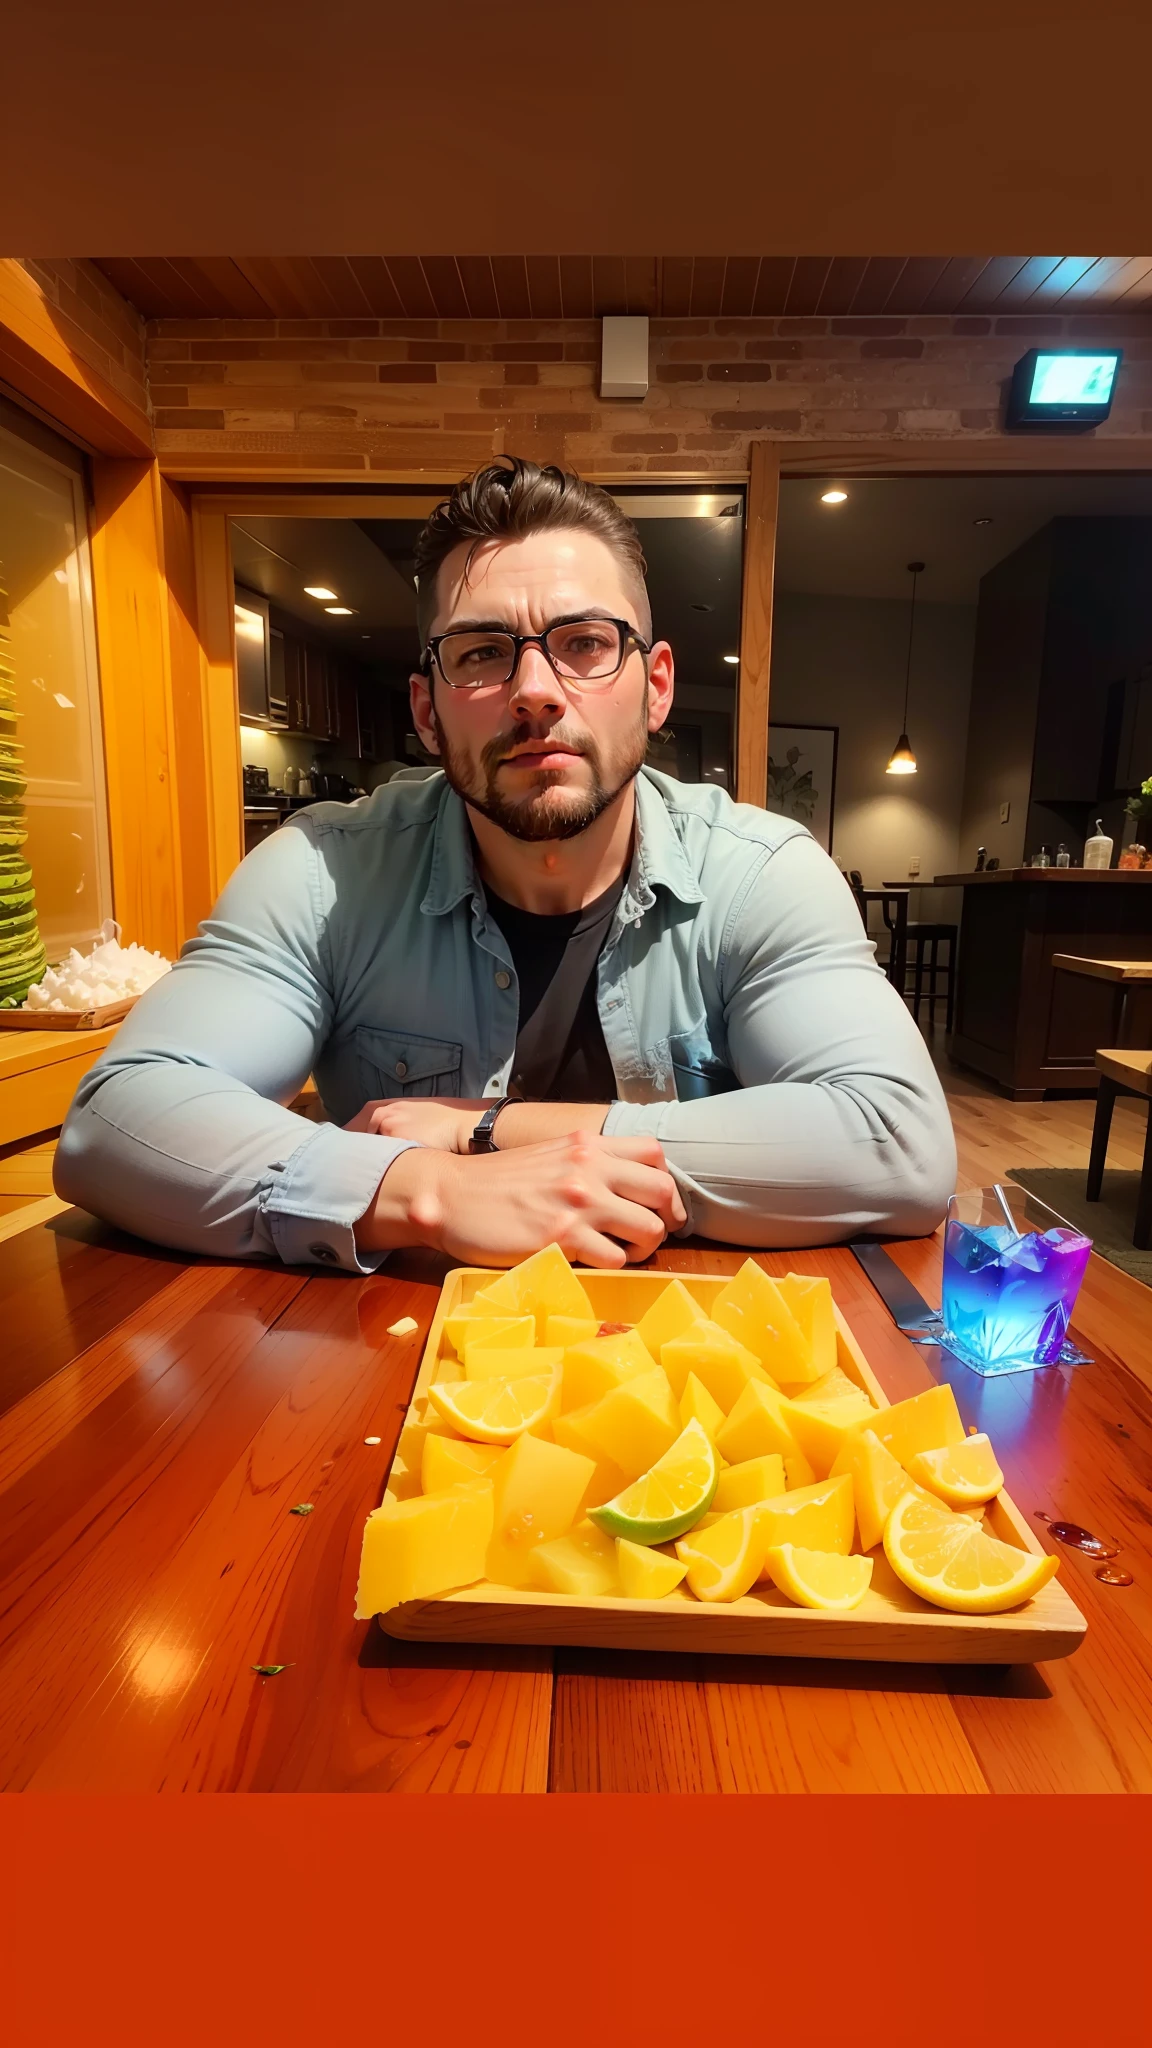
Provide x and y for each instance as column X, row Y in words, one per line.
column 509, row 499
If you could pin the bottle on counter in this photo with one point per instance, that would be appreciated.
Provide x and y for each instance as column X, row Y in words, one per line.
column 1043, row 859
column 291, row 780
column 1063, row 857
column 981, row 857
column 1098, row 849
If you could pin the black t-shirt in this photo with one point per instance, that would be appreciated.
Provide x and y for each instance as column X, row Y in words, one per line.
column 560, row 1051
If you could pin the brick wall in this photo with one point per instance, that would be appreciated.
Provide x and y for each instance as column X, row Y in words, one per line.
column 437, row 397
column 99, row 327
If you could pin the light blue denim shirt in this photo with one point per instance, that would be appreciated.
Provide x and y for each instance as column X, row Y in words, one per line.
column 749, row 1028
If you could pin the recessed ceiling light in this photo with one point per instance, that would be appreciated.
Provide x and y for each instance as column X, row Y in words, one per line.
column 982, row 522
column 734, row 659
column 319, row 590
column 833, row 497
column 340, row 611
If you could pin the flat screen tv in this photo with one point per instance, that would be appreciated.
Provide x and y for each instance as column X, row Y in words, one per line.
column 1063, row 388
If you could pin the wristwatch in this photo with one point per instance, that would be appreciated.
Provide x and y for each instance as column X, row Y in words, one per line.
column 481, row 1139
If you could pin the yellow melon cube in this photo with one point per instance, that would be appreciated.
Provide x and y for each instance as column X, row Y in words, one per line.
column 417, row 1549
column 925, row 1422
column 697, row 1405
column 797, row 1471
column 878, row 1481
column 492, row 1362
column 467, row 1326
column 819, row 1517
column 566, row 1330
column 582, row 1563
column 672, row 1312
column 448, row 1461
column 595, row 1367
column 541, row 1286
column 646, row 1574
column 539, row 1491
column 758, row 1423
column 632, row 1425
column 753, row 1310
column 830, row 1387
column 821, row 1430
column 741, row 1486
column 810, row 1301
column 718, row 1359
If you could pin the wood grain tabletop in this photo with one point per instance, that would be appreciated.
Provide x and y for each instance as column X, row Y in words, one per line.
column 160, row 1417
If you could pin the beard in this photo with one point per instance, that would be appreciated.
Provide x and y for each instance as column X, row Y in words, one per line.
column 547, row 810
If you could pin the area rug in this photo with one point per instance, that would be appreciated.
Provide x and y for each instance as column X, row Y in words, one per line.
column 1109, row 1222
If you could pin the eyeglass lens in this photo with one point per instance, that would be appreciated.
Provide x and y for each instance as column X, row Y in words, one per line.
column 582, row 651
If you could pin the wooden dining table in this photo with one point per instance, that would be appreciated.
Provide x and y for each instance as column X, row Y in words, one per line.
column 165, row 1419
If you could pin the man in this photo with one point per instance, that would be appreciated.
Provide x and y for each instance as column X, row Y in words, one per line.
column 675, row 989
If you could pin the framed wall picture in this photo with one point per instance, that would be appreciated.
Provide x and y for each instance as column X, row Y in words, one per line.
column 802, row 776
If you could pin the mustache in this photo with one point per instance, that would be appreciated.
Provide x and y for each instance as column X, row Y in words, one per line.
column 524, row 738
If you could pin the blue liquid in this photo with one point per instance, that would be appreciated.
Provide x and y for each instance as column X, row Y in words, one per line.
column 1007, row 1299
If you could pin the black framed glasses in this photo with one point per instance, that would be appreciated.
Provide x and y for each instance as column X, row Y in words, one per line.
column 587, row 654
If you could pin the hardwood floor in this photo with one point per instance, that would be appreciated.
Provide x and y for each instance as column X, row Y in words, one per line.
column 993, row 1133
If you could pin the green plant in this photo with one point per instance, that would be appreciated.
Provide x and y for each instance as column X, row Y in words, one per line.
column 1140, row 805
column 22, row 956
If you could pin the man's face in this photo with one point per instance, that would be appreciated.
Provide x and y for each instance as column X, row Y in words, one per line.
column 540, row 759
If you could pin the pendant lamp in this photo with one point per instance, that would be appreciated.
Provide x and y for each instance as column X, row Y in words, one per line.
column 903, row 760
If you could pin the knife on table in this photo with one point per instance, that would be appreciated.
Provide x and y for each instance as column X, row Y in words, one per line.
column 904, row 1303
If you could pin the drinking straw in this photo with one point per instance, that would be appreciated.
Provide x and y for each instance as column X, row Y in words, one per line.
column 1009, row 1218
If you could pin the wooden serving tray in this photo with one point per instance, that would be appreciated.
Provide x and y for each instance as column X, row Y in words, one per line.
column 891, row 1624
column 66, row 1020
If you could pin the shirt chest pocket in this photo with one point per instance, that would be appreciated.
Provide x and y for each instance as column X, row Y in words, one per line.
column 394, row 1063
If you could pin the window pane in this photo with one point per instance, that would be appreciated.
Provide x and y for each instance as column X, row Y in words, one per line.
column 44, row 574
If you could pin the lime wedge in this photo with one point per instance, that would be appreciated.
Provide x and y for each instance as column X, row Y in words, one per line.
column 669, row 1498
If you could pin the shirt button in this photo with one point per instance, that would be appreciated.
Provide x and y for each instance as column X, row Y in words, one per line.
column 324, row 1252
column 401, row 1069
column 503, row 978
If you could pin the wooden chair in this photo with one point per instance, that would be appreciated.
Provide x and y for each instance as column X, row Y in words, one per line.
column 924, row 942
column 1123, row 1073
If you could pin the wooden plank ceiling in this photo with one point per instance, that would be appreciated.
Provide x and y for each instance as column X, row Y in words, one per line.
column 583, row 287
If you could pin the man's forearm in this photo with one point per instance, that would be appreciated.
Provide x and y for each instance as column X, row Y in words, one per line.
column 533, row 1123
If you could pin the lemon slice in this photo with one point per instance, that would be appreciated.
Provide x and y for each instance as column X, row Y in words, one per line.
column 818, row 1578
column 724, row 1560
column 669, row 1497
column 960, row 1474
column 951, row 1561
column 497, row 1411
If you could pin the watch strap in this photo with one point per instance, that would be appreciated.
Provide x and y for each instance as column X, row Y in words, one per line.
column 482, row 1139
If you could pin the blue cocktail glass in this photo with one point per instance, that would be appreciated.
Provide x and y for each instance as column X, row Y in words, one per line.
column 1012, row 1271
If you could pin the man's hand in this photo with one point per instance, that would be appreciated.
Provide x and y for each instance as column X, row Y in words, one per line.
column 442, row 1122
column 603, row 1201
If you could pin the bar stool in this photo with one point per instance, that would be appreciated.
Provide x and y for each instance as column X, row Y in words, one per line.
column 1123, row 1073
column 924, row 942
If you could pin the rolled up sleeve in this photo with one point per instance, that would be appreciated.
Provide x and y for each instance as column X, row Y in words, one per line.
column 181, row 1133
column 839, row 1124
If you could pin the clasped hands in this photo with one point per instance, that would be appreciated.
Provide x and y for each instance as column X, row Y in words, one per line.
column 553, row 1179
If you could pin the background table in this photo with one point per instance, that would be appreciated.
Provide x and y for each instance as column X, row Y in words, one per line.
column 161, row 1418
column 1129, row 976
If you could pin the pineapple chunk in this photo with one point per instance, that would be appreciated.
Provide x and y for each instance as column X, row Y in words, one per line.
column 672, row 1312
column 566, row 1330
column 632, row 1425
column 719, row 1360
column 760, row 1423
column 448, row 1461
column 878, row 1482
column 541, row 1286
column 417, row 1549
column 821, row 1429
column 467, row 1326
column 646, row 1574
column 810, row 1301
column 539, row 1490
column 741, row 1486
column 594, row 1368
column 697, row 1405
column 492, row 1362
column 583, row 1563
column 925, row 1422
column 815, row 1517
column 753, row 1310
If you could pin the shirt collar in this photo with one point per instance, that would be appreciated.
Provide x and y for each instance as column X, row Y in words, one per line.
column 659, row 860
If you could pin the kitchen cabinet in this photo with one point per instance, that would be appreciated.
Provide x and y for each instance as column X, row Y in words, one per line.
column 252, row 655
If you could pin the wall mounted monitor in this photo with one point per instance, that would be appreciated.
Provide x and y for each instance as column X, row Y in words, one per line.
column 1066, row 389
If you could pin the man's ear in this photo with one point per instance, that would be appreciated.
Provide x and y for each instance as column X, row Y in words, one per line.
column 661, row 682
column 420, row 699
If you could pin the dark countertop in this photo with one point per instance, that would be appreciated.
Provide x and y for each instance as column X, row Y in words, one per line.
column 1092, row 876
